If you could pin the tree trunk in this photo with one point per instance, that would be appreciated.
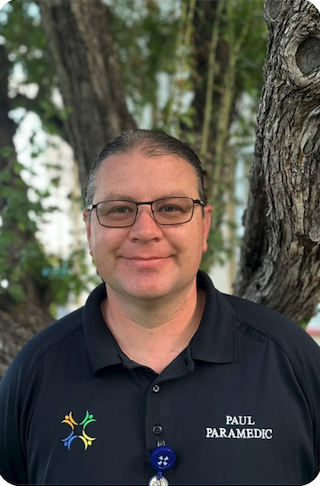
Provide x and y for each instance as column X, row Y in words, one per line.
column 280, row 258
column 18, row 322
column 218, row 39
column 82, row 50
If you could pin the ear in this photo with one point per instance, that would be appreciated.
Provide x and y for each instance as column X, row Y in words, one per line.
column 87, row 220
column 206, row 226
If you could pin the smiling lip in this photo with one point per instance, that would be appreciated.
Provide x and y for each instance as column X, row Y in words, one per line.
column 145, row 262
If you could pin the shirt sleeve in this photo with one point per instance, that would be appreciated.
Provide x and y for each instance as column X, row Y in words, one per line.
column 306, row 364
column 13, row 464
column 301, row 350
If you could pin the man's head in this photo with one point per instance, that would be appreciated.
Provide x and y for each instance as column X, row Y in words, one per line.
column 149, row 143
column 146, row 243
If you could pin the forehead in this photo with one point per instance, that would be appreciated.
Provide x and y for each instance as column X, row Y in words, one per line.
column 135, row 174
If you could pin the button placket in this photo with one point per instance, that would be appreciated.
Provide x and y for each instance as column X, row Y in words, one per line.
column 154, row 426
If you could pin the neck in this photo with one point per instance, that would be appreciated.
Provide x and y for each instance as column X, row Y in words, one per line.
column 151, row 333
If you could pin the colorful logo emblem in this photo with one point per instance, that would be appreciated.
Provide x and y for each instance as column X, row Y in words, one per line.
column 78, row 430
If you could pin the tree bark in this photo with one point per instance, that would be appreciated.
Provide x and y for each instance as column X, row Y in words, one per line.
column 82, row 50
column 18, row 324
column 280, row 257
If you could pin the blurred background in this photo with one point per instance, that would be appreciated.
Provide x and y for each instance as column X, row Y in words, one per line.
column 191, row 68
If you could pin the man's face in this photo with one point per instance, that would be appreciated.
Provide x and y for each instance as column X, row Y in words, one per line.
column 148, row 261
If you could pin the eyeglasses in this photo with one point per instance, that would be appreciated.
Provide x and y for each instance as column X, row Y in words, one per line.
column 166, row 211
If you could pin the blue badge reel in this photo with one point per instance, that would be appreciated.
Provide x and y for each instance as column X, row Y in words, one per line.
column 162, row 458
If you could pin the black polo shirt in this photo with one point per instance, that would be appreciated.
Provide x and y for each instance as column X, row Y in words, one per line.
column 240, row 405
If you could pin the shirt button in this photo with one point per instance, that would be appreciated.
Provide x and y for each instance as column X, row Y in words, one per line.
column 156, row 388
column 157, row 429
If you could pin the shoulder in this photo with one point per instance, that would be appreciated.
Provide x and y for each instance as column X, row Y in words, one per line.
column 56, row 332
column 285, row 337
column 270, row 323
column 266, row 325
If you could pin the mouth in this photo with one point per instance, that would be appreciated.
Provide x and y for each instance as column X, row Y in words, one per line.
column 146, row 262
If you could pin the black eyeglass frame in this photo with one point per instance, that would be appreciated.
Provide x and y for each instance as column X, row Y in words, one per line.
column 150, row 203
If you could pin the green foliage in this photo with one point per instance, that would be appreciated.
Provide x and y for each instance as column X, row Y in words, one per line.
column 238, row 76
column 154, row 41
column 145, row 38
column 26, row 43
column 254, row 49
column 68, row 276
column 22, row 258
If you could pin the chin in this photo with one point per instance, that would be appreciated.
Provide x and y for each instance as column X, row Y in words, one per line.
column 148, row 294
column 149, row 286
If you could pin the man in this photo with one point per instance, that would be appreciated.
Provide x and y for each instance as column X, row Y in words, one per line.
column 159, row 378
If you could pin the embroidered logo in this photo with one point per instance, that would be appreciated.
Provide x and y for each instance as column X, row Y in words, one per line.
column 244, row 429
column 78, row 430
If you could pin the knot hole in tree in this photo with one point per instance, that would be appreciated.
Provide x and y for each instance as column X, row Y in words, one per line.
column 274, row 8
column 308, row 55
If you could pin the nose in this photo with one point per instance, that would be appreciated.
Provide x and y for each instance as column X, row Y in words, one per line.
column 145, row 227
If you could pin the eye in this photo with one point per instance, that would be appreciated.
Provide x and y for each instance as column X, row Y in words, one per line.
column 169, row 208
column 115, row 208
column 173, row 206
column 120, row 209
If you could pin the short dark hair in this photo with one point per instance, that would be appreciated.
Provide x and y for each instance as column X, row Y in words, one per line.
column 151, row 143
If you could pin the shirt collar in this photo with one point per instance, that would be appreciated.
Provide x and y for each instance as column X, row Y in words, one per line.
column 215, row 340
column 98, row 337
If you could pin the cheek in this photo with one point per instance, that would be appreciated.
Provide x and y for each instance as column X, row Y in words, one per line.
column 192, row 244
column 94, row 242
column 104, row 244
